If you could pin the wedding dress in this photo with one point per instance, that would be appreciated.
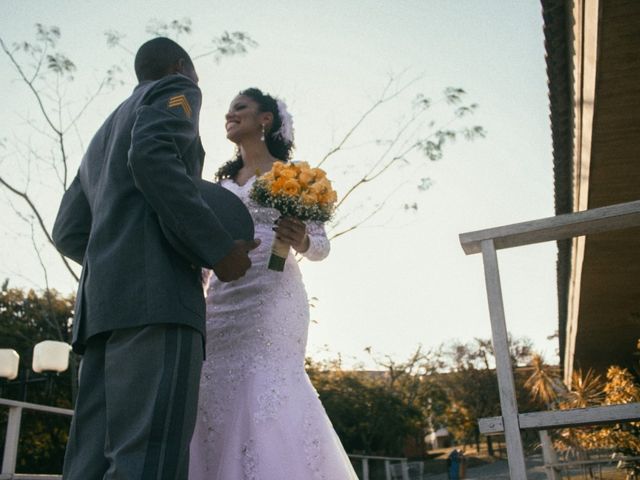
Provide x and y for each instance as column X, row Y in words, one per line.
column 259, row 417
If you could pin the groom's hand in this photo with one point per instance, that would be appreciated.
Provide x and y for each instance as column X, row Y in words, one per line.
column 236, row 263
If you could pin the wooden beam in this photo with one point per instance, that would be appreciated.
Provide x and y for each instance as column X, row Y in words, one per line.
column 576, row 417
column 596, row 220
column 506, row 386
column 35, row 406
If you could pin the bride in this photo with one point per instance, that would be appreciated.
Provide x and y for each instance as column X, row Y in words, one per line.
column 259, row 417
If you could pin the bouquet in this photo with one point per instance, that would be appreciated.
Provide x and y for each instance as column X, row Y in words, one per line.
column 295, row 190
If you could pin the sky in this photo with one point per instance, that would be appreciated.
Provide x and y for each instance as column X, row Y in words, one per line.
column 402, row 279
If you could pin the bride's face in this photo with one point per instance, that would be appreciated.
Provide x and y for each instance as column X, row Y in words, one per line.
column 244, row 119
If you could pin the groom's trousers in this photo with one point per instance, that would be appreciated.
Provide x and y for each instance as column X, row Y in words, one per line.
column 136, row 405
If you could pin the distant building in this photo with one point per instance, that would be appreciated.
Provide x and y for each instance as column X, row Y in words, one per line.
column 438, row 439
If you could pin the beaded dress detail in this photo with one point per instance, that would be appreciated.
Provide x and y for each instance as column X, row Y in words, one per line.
column 259, row 417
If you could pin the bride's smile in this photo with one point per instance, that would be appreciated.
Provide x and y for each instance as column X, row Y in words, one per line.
column 244, row 120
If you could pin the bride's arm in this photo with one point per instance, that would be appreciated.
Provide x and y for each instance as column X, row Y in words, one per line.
column 310, row 239
column 319, row 245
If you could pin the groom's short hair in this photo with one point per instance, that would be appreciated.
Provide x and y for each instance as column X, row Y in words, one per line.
column 156, row 57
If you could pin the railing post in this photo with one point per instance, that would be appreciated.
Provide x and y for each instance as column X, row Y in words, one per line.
column 387, row 470
column 504, row 371
column 11, row 441
column 405, row 469
column 365, row 469
column 549, row 455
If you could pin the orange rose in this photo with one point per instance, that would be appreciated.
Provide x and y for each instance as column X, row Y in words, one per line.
column 277, row 186
column 319, row 173
column 268, row 177
column 329, row 197
column 317, row 188
column 288, row 172
column 324, row 183
column 309, row 198
column 277, row 166
column 305, row 177
column 291, row 187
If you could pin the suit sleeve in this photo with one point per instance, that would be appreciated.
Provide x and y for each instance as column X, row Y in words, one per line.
column 165, row 126
column 73, row 223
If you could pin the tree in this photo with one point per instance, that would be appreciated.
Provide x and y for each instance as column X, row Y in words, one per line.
column 27, row 317
column 368, row 417
column 544, row 384
column 402, row 402
column 31, row 169
column 472, row 385
column 413, row 381
column 416, row 141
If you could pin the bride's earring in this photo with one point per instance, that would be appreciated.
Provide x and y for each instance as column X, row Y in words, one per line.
column 262, row 137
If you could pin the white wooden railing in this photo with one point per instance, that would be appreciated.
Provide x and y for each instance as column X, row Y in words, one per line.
column 511, row 423
column 13, row 435
column 388, row 462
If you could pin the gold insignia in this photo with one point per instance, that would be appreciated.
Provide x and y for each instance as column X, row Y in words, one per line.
column 180, row 101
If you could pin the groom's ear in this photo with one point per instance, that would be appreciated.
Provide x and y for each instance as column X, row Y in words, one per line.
column 186, row 68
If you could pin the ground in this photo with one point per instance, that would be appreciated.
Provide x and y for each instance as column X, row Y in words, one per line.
column 482, row 467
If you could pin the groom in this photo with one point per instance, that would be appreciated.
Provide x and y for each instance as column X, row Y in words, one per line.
column 139, row 314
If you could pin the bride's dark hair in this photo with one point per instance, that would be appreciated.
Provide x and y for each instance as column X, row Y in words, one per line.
column 279, row 148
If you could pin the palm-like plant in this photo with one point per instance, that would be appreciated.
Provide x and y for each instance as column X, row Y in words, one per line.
column 587, row 390
column 544, row 383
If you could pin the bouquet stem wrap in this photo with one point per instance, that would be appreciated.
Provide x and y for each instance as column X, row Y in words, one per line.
column 279, row 254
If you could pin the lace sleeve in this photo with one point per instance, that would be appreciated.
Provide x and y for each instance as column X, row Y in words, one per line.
column 319, row 245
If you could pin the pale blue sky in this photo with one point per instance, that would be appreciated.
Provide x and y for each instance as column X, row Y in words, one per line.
column 404, row 280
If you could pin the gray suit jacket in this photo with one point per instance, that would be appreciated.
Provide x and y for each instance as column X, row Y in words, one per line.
column 134, row 174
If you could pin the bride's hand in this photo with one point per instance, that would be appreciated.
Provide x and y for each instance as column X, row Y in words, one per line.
column 293, row 232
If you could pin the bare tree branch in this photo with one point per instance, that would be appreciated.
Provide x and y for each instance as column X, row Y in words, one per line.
column 38, row 216
column 49, row 316
column 31, row 86
column 382, row 99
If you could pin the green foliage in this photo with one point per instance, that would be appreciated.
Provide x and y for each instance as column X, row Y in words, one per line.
column 367, row 416
column 227, row 44
column 27, row 318
column 385, row 411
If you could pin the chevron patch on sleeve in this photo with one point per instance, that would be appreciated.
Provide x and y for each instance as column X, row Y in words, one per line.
column 180, row 101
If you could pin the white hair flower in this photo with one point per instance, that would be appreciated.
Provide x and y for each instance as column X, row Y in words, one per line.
column 285, row 132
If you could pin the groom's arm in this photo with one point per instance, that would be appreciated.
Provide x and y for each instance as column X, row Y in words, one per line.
column 73, row 223
column 166, row 126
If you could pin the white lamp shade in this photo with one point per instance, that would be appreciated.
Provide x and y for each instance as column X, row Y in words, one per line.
column 51, row 356
column 9, row 360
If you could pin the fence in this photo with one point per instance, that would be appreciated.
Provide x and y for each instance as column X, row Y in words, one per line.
column 614, row 217
column 394, row 467
column 13, row 436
